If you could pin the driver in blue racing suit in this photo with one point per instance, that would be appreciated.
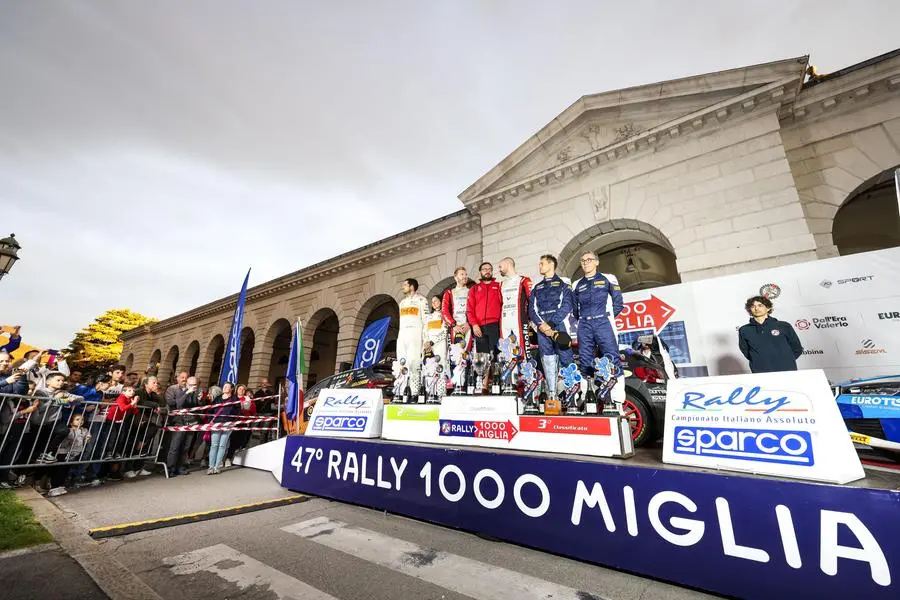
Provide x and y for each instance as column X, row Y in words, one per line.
column 594, row 293
column 550, row 304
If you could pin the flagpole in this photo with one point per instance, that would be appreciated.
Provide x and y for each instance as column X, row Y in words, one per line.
column 298, row 333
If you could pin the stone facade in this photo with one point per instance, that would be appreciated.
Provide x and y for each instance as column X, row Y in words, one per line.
column 730, row 171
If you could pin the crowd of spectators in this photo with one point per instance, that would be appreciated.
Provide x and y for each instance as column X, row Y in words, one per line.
column 60, row 430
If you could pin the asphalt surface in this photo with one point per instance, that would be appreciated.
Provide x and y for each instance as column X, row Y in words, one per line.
column 322, row 550
column 48, row 574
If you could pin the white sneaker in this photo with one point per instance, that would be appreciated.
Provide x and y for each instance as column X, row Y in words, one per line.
column 129, row 474
column 95, row 482
column 145, row 472
column 227, row 462
column 58, row 491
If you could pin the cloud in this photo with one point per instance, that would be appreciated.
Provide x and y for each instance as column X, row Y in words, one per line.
column 150, row 153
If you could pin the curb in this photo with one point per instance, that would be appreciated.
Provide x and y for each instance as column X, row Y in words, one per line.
column 116, row 580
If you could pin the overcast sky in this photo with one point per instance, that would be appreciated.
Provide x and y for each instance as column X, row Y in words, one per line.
column 151, row 151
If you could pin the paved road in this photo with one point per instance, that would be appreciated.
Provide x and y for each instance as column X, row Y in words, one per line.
column 48, row 574
column 324, row 550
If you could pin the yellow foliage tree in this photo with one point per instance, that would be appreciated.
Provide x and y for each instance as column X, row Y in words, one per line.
column 97, row 346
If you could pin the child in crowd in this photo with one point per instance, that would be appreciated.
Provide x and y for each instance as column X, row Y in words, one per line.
column 126, row 405
column 71, row 449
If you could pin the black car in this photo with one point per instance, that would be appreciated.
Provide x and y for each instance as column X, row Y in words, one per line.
column 647, row 369
column 378, row 376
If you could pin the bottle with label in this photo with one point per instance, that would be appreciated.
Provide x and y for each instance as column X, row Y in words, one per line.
column 407, row 393
column 495, row 376
column 423, row 389
column 470, row 378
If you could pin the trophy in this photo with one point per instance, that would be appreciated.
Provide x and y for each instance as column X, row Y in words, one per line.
column 570, row 397
column 415, row 385
column 429, row 377
column 605, row 378
column 440, row 384
column 480, row 366
column 510, row 355
column 401, row 376
column 531, row 377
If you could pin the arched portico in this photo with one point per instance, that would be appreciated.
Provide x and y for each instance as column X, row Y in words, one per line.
column 637, row 253
column 868, row 219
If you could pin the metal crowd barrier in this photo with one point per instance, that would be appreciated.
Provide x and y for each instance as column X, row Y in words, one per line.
column 32, row 440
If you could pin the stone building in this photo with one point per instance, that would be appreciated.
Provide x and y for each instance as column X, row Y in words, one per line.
column 687, row 179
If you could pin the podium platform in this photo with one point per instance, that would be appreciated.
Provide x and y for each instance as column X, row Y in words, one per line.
column 732, row 534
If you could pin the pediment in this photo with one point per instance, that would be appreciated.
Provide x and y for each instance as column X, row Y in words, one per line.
column 603, row 120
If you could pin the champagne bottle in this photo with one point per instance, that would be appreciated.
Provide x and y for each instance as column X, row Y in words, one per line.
column 470, row 383
column 407, row 393
column 423, row 389
column 495, row 375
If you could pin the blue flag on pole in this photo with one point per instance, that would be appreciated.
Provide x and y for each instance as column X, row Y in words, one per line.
column 371, row 344
column 294, row 374
column 229, row 370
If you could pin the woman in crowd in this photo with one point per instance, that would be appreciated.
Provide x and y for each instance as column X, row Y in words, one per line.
column 221, row 412
column 240, row 439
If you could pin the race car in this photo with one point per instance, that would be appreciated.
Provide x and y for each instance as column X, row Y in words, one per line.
column 648, row 367
column 871, row 410
column 378, row 376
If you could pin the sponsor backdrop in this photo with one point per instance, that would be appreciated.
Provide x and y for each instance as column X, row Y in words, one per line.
column 733, row 535
column 845, row 310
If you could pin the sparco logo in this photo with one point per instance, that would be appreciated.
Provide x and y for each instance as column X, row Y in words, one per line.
column 770, row 290
column 868, row 347
column 889, row 316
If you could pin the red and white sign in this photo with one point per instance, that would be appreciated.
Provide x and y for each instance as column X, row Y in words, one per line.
column 566, row 425
column 644, row 314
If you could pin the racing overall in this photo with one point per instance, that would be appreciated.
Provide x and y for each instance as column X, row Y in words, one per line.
column 453, row 309
column 514, row 318
column 551, row 302
column 436, row 333
column 597, row 300
column 413, row 315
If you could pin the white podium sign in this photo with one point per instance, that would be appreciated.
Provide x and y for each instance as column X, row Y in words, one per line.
column 785, row 424
column 349, row 413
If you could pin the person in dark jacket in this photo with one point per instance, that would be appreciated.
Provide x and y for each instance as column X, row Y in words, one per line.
column 12, row 419
column 769, row 344
column 218, row 445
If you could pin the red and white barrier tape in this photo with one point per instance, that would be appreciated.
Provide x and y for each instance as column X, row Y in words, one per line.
column 187, row 411
column 217, row 427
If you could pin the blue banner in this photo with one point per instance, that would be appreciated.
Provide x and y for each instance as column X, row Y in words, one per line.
column 748, row 537
column 232, row 356
column 294, row 374
column 371, row 344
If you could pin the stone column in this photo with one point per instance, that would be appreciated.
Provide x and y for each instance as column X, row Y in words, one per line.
column 204, row 366
column 260, row 364
column 348, row 337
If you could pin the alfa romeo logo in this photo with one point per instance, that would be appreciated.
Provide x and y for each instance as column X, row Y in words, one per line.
column 825, row 283
column 445, row 428
column 770, row 290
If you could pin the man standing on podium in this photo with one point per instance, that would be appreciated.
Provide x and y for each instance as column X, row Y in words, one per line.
column 598, row 299
column 550, row 305
column 516, row 292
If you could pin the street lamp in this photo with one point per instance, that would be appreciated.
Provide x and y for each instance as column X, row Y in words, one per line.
column 9, row 248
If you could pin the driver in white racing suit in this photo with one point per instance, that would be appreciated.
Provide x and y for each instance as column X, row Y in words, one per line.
column 435, row 332
column 413, row 316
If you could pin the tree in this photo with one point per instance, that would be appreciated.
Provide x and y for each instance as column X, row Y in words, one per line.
column 97, row 346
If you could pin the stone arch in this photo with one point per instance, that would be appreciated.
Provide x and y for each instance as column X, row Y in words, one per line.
column 868, row 219
column 439, row 288
column 155, row 359
column 323, row 329
column 168, row 366
column 129, row 362
column 245, row 361
column 376, row 307
column 278, row 340
column 191, row 358
column 215, row 354
column 638, row 253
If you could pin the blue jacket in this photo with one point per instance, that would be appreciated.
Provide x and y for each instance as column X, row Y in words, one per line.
column 551, row 302
column 770, row 346
column 592, row 296
column 12, row 345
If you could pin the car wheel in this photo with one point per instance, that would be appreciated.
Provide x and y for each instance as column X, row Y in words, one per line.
column 638, row 416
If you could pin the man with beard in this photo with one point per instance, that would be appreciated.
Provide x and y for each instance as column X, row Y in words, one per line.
column 551, row 303
column 516, row 291
column 483, row 309
column 413, row 316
